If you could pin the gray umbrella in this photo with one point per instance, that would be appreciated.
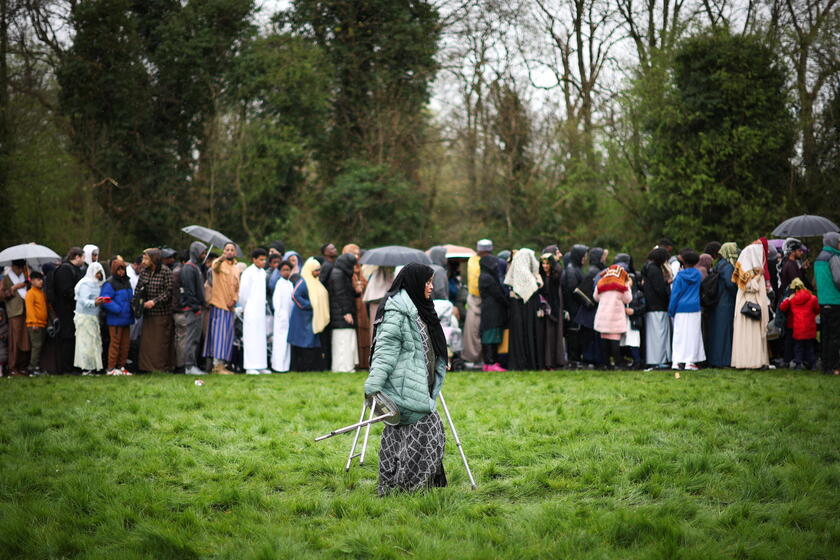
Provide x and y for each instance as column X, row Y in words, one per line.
column 394, row 255
column 30, row 252
column 805, row 226
column 211, row 237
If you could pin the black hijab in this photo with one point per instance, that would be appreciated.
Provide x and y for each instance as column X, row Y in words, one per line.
column 412, row 278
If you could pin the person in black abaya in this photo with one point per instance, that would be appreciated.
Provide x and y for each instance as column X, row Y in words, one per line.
column 494, row 303
column 526, row 348
column 573, row 299
column 591, row 340
column 552, row 294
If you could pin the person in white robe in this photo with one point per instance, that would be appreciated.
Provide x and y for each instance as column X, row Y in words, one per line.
column 252, row 300
column 281, row 350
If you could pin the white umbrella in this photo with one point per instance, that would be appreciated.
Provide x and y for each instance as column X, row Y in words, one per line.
column 32, row 253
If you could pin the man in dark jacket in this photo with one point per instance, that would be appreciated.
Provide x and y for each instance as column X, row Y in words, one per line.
column 188, row 304
column 343, row 314
column 62, row 298
column 572, row 301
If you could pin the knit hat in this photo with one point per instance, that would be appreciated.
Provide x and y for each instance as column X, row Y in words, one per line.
column 484, row 246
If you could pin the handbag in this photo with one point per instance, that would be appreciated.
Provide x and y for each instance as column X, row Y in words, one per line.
column 138, row 301
column 751, row 310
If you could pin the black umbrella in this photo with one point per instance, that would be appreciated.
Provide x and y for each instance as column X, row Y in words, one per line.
column 394, row 255
column 805, row 226
column 211, row 237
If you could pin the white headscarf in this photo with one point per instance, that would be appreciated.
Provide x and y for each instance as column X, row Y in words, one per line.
column 89, row 250
column 524, row 274
column 90, row 277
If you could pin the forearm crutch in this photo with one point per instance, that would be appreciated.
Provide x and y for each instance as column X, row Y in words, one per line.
column 355, row 438
column 457, row 440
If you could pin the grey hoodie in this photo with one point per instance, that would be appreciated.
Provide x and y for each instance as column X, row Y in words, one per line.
column 192, row 279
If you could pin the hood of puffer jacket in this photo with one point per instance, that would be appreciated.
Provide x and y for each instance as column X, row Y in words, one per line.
column 438, row 255
column 595, row 256
column 801, row 297
column 196, row 248
column 345, row 263
column 577, row 253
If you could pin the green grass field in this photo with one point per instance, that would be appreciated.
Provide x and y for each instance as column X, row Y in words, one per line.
column 568, row 464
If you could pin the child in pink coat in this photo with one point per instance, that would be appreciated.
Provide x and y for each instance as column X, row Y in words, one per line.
column 612, row 294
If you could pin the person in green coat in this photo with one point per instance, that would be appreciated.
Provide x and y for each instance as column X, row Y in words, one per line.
column 408, row 365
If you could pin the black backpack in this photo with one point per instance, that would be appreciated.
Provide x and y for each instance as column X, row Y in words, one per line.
column 710, row 290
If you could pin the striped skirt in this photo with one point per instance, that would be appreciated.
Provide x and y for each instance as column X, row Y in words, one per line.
column 218, row 343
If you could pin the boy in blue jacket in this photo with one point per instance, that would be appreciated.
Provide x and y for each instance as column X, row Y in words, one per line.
column 684, row 308
column 118, row 316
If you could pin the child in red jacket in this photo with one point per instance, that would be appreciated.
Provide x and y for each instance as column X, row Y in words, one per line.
column 803, row 309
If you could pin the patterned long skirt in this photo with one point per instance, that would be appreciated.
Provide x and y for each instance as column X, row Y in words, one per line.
column 411, row 456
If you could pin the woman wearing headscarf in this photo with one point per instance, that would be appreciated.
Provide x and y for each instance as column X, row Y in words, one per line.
column 493, row 312
column 345, row 351
column 363, row 338
column 526, row 348
column 552, row 293
column 91, row 256
column 293, row 257
column 719, row 349
column 612, row 292
column 310, row 316
column 408, row 365
column 656, row 277
column 154, row 289
column 749, row 337
column 88, row 356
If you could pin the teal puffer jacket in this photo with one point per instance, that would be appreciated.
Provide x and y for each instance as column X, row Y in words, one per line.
column 398, row 368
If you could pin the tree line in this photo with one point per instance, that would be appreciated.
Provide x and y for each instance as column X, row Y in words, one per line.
column 527, row 121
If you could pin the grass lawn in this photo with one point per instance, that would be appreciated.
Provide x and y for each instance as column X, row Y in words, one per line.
column 568, row 464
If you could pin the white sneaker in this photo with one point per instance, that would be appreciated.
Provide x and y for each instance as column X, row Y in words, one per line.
column 192, row 370
column 693, row 367
column 265, row 371
column 252, row 372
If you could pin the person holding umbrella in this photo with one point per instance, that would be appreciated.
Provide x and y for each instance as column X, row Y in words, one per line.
column 223, row 279
column 13, row 290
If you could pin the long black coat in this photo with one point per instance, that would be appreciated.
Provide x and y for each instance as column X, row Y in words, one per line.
column 656, row 288
column 494, row 303
column 342, row 294
column 63, row 297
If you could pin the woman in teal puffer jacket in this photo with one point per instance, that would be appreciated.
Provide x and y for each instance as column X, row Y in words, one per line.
column 408, row 364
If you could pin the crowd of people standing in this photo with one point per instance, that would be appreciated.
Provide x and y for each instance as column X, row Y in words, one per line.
column 760, row 307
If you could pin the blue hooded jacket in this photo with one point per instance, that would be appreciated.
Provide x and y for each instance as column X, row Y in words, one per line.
column 685, row 292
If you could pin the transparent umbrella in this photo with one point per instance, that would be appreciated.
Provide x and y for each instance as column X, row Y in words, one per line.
column 32, row 253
